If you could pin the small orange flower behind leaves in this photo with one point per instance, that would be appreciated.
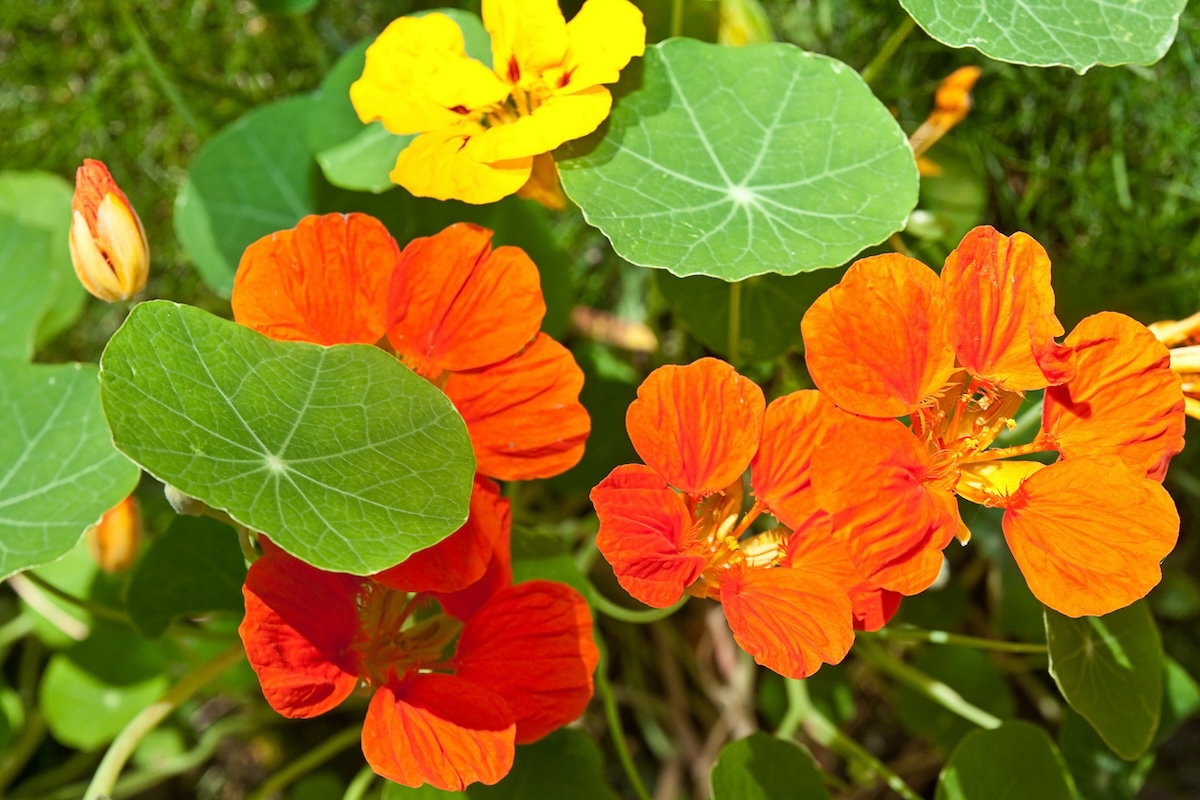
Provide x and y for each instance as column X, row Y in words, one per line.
column 951, row 104
column 1113, row 413
column 115, row 539
column 108, row 244
column 698, row 428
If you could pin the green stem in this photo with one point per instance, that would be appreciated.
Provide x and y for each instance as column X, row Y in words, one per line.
column 156, row 69
column 128, row 739
column 613, row 715
column 362, row 781
column 95, row 609
column 801, row 710
column 15, row 629
column 924, row 685
column 735, row 322
column 249, row 553
column 308, row 762
column 676, row 17
column 888, row 50
column 638, row 617
column 20, row 751
column 957, row 639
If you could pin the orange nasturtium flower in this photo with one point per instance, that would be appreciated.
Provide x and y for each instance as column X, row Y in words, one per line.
column 955, row 354
column 108, row 244
column 675, row 524
column 487, row 133
column 457, row 312
column 452, row 693
column 951, row 104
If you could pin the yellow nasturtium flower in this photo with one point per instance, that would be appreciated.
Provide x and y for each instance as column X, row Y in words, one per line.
column 487, row 133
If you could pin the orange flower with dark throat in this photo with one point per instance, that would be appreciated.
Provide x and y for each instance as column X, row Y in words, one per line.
column 955, row 355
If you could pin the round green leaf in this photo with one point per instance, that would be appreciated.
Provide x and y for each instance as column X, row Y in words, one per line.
column 1099, row 773
column 83, row 711
column 761, row 767
column 1050, row 33
column 1110, row 669
column 1015, row 760
column 253, row 178
column 59, row 472
column 733, row 162
column 341, row 455
column 1181, row 699
column 24, row 251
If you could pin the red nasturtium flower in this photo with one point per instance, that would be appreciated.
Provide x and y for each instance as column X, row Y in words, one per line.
column 456, row 311
column 955, row 354
column 784, row 590
column 455, row 682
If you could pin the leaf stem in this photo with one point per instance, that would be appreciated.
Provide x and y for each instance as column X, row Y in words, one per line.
column 735, row 322
column 155, row 67
column 924, row 685
column 307, row 762
column 613, row 715
column 636, row 616
column 128, row 739
column 249, row 553
column 957, row 639
column 362, row 781
column 95, row 609
column 881, row 59
column 676, row 17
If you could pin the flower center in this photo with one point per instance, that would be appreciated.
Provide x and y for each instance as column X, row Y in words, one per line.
column 402, row 636
column 718, row 534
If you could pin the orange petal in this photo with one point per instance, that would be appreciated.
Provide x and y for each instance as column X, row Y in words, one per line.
column 456, row 304
column 544, row 185
column 438, row 729
column 299, row 632
column 1000, row 311
column 528, row 37
column 1089, row 534
column 876, row 481
column 324, row 281
column 436, row 165
column 876, row 342
column 532, row 645
column 791, row 622
column 644, row 535
column 815, row 552
column 697, row 425
column 524, row 414
column 460, row 559
column 781, row 472
column 1124, row 399
column 559, row 118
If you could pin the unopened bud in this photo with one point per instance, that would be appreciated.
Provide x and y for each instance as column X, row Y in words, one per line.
column 108, row 244
column 951, row 105
column 113, row 541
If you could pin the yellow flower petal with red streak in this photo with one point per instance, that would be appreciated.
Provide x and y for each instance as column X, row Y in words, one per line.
column 1124, row 399
column 419, row 78
column 435, row 164
column 781, row 472
column 1089, row 534
column 604, row 35
column 876, row 342
column 1000, row 311
column 790, row 621
column 528, row 37
column 698, row 425
column 560, row 118
column 872, row 476
column 991, row 483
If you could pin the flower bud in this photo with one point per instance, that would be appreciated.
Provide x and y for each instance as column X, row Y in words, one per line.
column 108, row 244
column 113, row 541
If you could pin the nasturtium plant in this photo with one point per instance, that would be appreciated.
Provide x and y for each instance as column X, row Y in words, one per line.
column 762, row 767
column 1015, row 760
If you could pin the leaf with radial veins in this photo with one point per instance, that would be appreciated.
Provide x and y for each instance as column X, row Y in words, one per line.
column 1047, row 33
column 341, row 455
column 738, row 161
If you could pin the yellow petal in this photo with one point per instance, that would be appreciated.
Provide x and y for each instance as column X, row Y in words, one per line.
column 560, row 119
column 605, row 35
column 543, row 185
column 418, row 78
column 991, row 483
column 528, row 37
column 436, row 165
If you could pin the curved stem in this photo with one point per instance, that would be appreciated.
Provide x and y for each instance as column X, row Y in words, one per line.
column 307, row 762
column 613, row 716
column 249, row 553
column 735, row 322
column 128, row 739
column 95, row 609
column 957, row 639
column 156, row 69
column 638, row 617
column 872, row 70
column 362, row 781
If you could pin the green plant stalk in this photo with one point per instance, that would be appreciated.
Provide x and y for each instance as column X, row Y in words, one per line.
column 128, row 739
column 20, row 751
column 957, row 639
column 881, row 59
column 362, row 781
column 156, row 69
column 247, row 546
column 307, row 762
column 802, row 712
column 95, row 609
column 735, row 322
column 924, row 685
column 613, row 716
column 638, row 617
column 676, row 17
column 15, row 629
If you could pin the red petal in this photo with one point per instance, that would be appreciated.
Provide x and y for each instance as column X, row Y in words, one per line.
column 324, row 281
column 524, row 414
column 1000, row 311
column 462, row 558
column 874, row 478
column 300, row 628
column 697, row 425
column 781, row 472
column 440, row 730
column 1089, row 534
column 464, row 603
column 815, row 552
column 791, row 622
column 876, row 343
column 1124, row 399
column 456, row 304
column 643, row 533
column 532, row 645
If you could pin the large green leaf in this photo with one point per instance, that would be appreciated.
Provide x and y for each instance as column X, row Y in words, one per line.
column 24, row 253
column 253, row 178
column 1110, row 669
column 84, row 711
column 1099, row 773
column 733, row 162
column 761, row 767
column 341, row 455
column 970, row 673
column 1016, row 760
column 1048, row 33
column 59, row 472
column 1181, row 699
